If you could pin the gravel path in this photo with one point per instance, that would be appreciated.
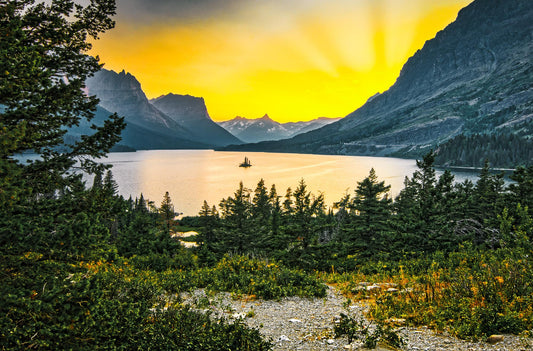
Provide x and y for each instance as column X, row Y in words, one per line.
column 307, row 324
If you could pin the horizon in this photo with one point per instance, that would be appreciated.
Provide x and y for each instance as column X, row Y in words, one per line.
column 294, row 62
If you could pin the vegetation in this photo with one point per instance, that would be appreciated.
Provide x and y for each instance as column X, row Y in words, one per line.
column 82, row 267
column 503, row 150
column 458, row 254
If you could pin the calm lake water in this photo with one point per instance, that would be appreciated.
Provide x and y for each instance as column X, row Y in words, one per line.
column 192, row 176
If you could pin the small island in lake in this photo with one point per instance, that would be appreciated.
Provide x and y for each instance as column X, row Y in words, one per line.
column 246, row 163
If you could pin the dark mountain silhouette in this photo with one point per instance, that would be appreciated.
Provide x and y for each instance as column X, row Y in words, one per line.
column 147, row 127
column 191, row 112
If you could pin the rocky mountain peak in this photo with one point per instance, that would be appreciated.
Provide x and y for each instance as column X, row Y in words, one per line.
column 191, row 112
column 266, row 118
column 182, row 108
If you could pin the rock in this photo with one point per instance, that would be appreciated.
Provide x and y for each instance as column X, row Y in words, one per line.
column 294, row 320
column 373, row 287
column 330, row 341
column 283, row 338
column 392, row 290
column 493, row 339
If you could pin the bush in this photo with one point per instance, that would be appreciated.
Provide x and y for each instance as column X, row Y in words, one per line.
column 54, row 305
column 471, row 293
column 267, row 280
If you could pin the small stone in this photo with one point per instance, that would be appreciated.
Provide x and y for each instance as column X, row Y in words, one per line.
column 283, row 338
column 330, row 341
column 493, row 339
column 373, row 287
column 294, row 320
column 347, row 347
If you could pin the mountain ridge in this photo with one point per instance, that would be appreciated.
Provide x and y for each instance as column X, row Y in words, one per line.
column 475, row 76
column 265, row 128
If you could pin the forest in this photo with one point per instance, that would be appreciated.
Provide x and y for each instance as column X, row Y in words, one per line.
column 502, row 150
column 84, row 268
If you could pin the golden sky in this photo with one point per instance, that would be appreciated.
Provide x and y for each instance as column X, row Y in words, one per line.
column 293, row 59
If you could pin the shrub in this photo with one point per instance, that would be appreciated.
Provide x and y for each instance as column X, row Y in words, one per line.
column 268, row 280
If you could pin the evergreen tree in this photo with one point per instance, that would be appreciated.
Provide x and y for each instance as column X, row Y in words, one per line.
column 521, row 191
column 275, row 224
column 288, row 203
column 417, row 210
column 98, row 182
column 306, row 208
column 208, row 220
column 371, row 225
column 43, row 67
column 261, row 207
column 261, row 213
column 236, row 213
column 489, row 196
column 167, row 213
column 110, row 186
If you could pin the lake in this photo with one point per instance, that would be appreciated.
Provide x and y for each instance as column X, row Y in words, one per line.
column 192, row 176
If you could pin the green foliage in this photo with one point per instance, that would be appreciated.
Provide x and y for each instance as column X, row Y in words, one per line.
column 43, row 67
column 365, row 219
column 472, row 293
column 249, row 276
column 64, row 283
column 369, row 334
column 504, row 149
column 167, row 213
column 183, row 329
column 87, row 305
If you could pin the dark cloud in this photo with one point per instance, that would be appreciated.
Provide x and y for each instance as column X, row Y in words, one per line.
column 148, row 11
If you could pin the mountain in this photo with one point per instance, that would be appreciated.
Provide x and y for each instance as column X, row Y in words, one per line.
column 264, row 128
column 304, row 127
column 191, row 112
column 474, row 78
column 147, row 127
column 255, row 130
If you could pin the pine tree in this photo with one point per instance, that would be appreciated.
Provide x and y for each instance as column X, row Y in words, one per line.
column 371, row 225
column 43, row 67
column 521, row 191
column 208, row 220
column 236, row 213
column 416, row 208
column 489, row 196
column 306, row 208
column 261, row 207
column 167, row 213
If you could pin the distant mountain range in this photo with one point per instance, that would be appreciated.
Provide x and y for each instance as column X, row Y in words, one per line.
column 170, row 122
column 175, row 121
column 474, row 79
column 264, row 128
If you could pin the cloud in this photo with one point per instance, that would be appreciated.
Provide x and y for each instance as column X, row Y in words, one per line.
column 148, row 11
